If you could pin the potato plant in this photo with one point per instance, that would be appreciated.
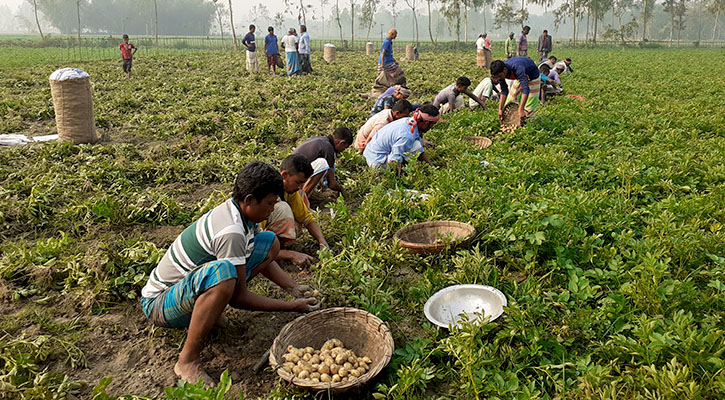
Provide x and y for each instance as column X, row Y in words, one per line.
column 602, row 220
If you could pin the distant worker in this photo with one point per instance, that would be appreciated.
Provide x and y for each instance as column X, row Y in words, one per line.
column 251, row 45
column 526, row 86
column 522, row 44
column 127, row 52
column 389, row 72
column 271, row 50
column 483, row 51
column 544, row 46
column 510, row 46
column 386, row 102
column 394, row 143
column 365, row 134
column 450, row 97
column 566, row 64
column 289, row 43
column 304, row 47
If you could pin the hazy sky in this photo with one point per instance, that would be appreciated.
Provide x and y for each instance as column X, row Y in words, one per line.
column 278, row 5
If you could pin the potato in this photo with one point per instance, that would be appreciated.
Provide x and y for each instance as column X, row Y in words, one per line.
column 315, row 380
column 324, row 369
column 352, row 359
column 299, row 353
column 325, row 378
column 296, row 369
column 309, row 350
column 345, row 379
column 361, row 371
column 307, row 357
column 339, row 360
column 354, row 373
column 315, row 375
column 315, row 360
column 329, row 361
column 342, row 372
column 334, row 368
column 304, row 374
column 291, row 358
column 315, row 293
column 367, row 360
column 290, row 348
column 347, row 366
column 336, row 378
column 286, row 367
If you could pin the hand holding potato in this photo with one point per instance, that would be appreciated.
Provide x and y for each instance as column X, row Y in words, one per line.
column 307, row 304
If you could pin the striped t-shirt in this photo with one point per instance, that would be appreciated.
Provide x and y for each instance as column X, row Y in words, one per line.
column 220, row 234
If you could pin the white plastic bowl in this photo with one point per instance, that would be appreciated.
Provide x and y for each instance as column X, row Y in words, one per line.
column 447, row 307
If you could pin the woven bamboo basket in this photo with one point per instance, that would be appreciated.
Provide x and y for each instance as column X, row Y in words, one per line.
column 511, row 115
column 432, row 237
column 359, row 331
column 480, row 141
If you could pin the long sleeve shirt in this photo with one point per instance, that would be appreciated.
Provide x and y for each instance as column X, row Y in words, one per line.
column 523, row 69
column 391, row 142
column 249, row 42
column 510, row 46
column 304, row 44
column 555, row 76
column 544, row 43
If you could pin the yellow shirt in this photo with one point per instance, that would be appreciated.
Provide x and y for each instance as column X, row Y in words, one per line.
column 300, row 208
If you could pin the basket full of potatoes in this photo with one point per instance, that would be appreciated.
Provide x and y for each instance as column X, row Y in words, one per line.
column 332, row 349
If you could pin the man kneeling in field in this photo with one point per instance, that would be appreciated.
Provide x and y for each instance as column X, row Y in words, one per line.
column 396, row 141
column 209, row 264
column 290, row 215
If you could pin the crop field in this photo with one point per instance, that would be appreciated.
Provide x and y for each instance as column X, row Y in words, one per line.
column 603, row 222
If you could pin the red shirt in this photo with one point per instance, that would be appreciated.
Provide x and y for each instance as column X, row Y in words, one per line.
column 126, row 50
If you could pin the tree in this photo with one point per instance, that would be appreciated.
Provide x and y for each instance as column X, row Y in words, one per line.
column 259, row 14
column 430, row 31
column 279, row 21
column 393, row 10
column 716, row 7
column 323, row 3
column 231, row 23
column 220, row 13
column 647, row 7
column 413, row 4
column 34, row 3
column 78, row 12
column 598, row 8
column 680, row 21
column 451, row 9
column 368, row 13
column 352, row 23
column 156, row 23
column 337, row 17
column 504, row 13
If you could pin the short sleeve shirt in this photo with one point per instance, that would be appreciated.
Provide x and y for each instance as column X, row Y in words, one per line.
column 480, row 43
column 523, row 42
column 290, row 43
column 221, row 234
column 126, row 50
column 388, row 57
column 270, row 44
column 387, row 101
column 483, row 90
column 447, row 95
column 317, row 147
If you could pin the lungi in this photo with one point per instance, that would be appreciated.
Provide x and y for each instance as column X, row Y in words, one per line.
column 252, row 64
column 293, row 63
column 532, row 103
column 388, row 75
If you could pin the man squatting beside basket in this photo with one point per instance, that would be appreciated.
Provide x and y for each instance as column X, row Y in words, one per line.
column 209, row 264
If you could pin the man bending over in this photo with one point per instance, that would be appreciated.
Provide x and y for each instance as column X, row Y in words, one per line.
column 321, row 151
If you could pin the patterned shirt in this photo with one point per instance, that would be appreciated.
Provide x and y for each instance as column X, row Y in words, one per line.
column 221, row 234
column 126, row 50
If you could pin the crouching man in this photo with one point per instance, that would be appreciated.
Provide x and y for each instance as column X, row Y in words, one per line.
column 209, row 264
column 293, row 213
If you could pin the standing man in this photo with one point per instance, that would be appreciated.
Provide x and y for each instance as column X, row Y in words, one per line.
column 389, row 72
column 127, row 52
column 271, row 50
column 251, row 45
column 522, row 44
column 304, row 47
column 510, row 46
column 480, row 55
column 487, row 50
column 544, row 46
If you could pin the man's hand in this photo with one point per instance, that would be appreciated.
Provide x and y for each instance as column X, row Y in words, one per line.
column 301, row 259
column 500, row 114
column 324, row 246
column 307, row 304
column 522, row 114
column 300, row 290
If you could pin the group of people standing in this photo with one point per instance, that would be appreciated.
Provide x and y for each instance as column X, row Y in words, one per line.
column 296, row 48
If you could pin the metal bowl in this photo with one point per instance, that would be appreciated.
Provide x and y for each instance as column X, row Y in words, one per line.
column 448, row 306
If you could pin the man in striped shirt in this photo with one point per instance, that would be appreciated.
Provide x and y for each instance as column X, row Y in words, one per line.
column 209, row 264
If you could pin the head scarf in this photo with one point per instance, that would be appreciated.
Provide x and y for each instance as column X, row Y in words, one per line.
column 421, row 116
column 402, row 90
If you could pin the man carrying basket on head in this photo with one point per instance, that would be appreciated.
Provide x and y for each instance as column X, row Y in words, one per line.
column 389, row 72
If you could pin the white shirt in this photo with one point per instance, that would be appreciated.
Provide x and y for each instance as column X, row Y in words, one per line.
column 484, row 89
column 290, row 42
column 480, row 43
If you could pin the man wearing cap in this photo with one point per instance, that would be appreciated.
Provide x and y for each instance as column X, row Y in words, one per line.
column 522, row 44
column 304, row 47
column 387, row 102
column 544, row 46
column 389, row 72
column 251, row 45
column 566, row 64
column 397, row 141
column 510, row 46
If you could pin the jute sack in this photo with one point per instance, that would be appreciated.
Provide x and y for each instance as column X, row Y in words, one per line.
column 410, row 53
column 73, row 110
column 330, row 53
column 369, row 49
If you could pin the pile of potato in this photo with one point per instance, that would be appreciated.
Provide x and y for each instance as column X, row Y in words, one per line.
column 332, row 363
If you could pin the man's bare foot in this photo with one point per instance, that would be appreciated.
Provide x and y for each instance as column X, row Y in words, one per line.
column 191, row 373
